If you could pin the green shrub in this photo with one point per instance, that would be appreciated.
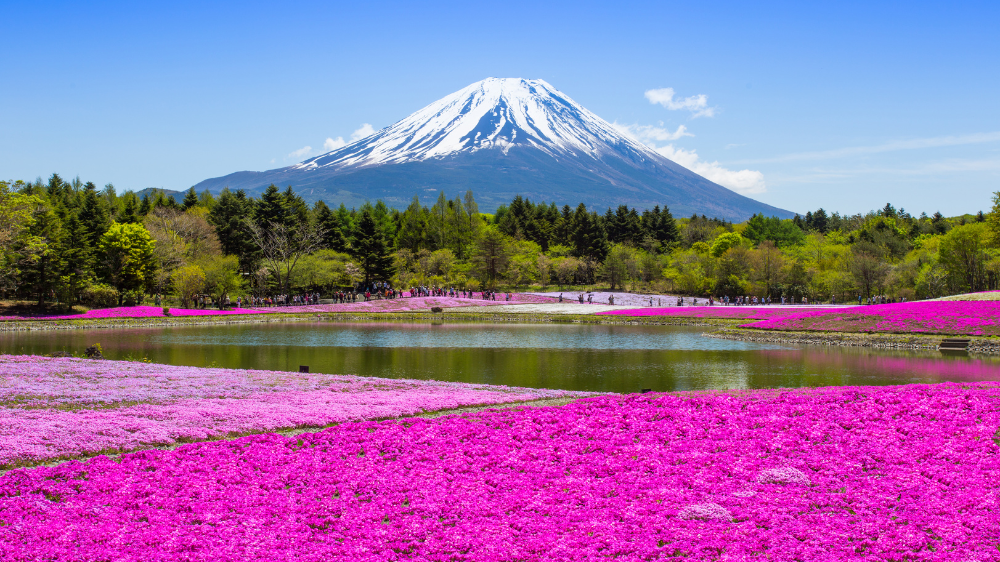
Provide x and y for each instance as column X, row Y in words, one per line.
column 99, row 296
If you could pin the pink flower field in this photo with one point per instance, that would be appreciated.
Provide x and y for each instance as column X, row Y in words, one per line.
column 133, row 312
column 972, row 318
column 56, row 408
column 405, row 304
column 874, row 473
column 718, row 311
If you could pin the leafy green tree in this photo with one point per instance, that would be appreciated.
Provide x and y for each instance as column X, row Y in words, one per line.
column 222, row 277
column 492, row 255
column 964, row 255
column 188, row 282
column 783, row 233
column 127, row 256
column 370, row 249
column 724, row 242
column 993, row 221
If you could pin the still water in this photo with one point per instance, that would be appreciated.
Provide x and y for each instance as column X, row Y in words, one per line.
column 574, row 357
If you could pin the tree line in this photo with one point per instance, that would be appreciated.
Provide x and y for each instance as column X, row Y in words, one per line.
column 71, row 242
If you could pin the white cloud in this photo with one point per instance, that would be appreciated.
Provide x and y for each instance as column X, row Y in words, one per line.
column 745, row 182
column 333, row 144
column 697, row 105
column 365, row 130
column 300, row 153
column 647, row 134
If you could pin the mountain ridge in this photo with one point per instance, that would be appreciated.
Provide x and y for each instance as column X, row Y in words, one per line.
column 501, row 138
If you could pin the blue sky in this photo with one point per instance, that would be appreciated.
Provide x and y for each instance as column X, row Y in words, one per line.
column 844, row 106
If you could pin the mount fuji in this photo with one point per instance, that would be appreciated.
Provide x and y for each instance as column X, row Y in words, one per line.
column 501, row 137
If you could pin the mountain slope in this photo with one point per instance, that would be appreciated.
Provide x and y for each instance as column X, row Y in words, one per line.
column 502, row 137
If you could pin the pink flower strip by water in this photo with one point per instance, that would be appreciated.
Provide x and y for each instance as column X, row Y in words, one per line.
column 842, row 474
column 404, row 304
column 735, row 312
column 52, row 408
column 974, row 318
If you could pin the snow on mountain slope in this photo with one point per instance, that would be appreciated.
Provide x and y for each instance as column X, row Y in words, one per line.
column 496, row 113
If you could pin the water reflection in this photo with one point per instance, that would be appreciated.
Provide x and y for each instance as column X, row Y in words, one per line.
column 599, row 358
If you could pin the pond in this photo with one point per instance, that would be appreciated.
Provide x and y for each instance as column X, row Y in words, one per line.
column 568, row 356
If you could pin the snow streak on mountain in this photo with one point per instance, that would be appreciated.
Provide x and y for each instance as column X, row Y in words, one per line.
column 501, row 137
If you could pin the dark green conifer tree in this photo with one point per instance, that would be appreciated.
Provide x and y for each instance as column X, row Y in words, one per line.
column 370, row 248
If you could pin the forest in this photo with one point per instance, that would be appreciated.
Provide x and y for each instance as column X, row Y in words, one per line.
column 69, row 242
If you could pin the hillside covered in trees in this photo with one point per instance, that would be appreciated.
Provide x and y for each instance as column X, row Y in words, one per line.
column 71, row 242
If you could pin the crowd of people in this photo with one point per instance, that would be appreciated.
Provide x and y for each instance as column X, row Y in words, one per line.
column 452, row 292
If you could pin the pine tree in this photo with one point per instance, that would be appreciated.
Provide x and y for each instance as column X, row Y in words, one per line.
column 190, row 200
column 130, row 209
column 370, row 248
column 228, row 215
column 270, row 208
column 413, row 226
column 93, row 215
column 820, row 223
column 333, row 231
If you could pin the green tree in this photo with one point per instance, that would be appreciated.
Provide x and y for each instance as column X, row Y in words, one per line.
column 93, row 214
column 964, row 255
column 993, row 221
column 371, row 250
column 333, row 231
column 783, row 233
column 188, row 282
column 190, row 200
column 222, row 277
column 228, row 216
column 127, row 256
column 724, row 242
column 491, row 256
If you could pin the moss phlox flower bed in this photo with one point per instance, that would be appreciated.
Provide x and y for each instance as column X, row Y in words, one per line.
column 58, row 408
column 973, row 318
column 718, row 311
column 874, row 473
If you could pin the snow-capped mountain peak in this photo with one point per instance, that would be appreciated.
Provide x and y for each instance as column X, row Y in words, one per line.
column 495, row 113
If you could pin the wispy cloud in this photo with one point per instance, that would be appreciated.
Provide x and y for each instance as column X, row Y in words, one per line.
column 365, row 130
column 908, row 144
column 651, row 133
column 697, row 105
column 300, row 153
column 332, row 143
column 746, row 182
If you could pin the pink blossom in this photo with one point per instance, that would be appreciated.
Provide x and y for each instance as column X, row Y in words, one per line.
column 974, row 318
column 896, row 473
